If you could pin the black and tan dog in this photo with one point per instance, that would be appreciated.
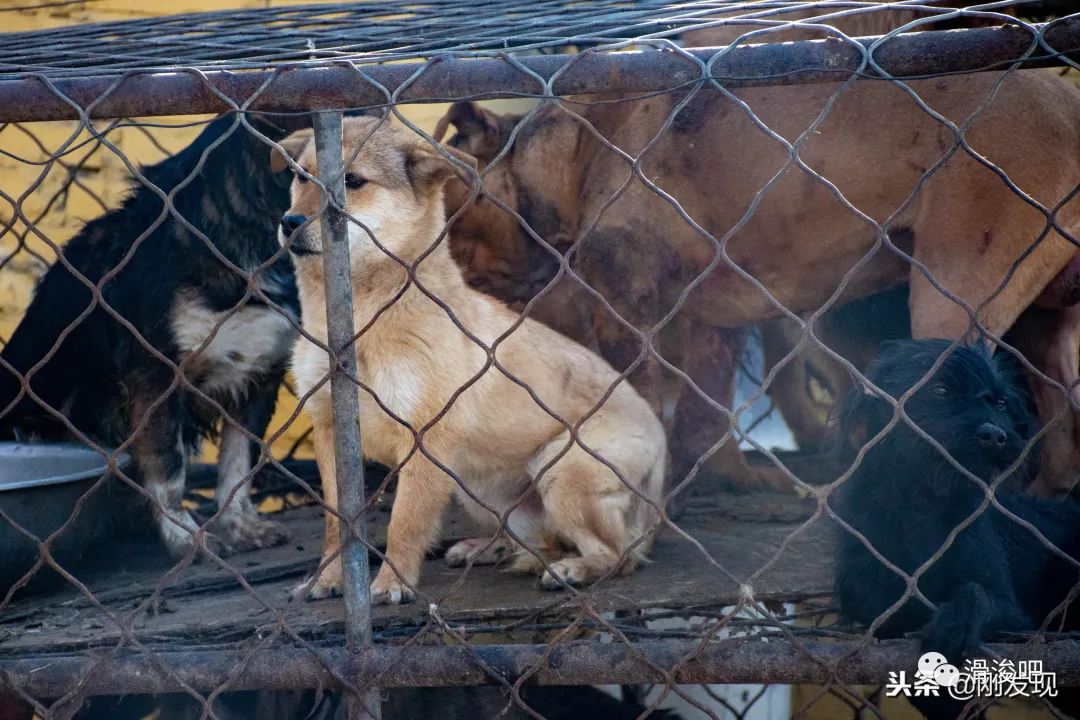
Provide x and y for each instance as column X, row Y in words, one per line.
column 92, row 372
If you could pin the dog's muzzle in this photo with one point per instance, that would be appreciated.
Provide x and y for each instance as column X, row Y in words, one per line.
column 991, row 436
column 296, row 241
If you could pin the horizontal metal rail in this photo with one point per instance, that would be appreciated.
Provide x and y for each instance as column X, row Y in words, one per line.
column 306, row 87
column 581, row 663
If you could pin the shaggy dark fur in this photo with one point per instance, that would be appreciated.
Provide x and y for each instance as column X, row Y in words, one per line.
column 101, row 377
column 906, row 498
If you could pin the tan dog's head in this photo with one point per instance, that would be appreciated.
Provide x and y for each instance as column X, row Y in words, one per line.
column 393, row 191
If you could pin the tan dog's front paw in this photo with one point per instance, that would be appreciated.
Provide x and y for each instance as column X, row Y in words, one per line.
column 388, row 589
column 328, row 585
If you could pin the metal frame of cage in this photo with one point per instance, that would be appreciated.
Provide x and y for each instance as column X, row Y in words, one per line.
column 326, row 85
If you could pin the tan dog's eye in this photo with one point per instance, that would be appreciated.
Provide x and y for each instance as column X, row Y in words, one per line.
column 300, row 177
column 354, row 181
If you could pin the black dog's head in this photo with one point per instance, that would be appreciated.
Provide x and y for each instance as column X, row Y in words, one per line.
column 973, row 405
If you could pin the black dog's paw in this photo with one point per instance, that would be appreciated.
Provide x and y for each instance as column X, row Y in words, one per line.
column 958, row 627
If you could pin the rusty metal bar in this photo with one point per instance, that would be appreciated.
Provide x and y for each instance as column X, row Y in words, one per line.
column 581, row 663
column 344, row 400
column 299, row 88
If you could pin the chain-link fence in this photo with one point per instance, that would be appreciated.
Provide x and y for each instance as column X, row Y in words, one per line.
column 616, row 301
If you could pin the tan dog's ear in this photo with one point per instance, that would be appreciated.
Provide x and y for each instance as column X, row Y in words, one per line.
column 428, row 166
column 293, row 145
column 480, row 132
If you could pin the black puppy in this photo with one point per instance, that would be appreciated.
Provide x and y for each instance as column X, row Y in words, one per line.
column 177, row 294
column 906, row 498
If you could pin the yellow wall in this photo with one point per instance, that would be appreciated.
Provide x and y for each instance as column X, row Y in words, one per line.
column 58, row 198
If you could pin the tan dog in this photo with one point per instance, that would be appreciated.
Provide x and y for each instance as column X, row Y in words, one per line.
column 508, row 452
column 799, row 239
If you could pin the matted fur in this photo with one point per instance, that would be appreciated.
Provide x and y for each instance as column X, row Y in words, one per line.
column 494, row 436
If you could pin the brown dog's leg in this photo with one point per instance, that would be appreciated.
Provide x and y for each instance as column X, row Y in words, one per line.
column 790, row 390
column 1050, row 340
column 329, row 582
column 972, row 253
column 423, row 492
column 710, row 360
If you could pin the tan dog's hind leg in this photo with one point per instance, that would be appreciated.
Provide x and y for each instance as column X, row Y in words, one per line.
column 587, row 506
column 329, row 582
column 423, row 492
column 592, row 518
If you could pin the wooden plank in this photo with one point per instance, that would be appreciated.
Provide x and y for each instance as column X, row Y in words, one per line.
column 206, row 605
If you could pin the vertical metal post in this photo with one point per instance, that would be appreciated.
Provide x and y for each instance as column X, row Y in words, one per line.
column 344, row 399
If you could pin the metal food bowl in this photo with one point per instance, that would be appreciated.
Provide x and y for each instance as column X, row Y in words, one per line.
column 40, row 486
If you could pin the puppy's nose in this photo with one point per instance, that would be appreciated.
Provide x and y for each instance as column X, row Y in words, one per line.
column 990, row 435
column 290, row 222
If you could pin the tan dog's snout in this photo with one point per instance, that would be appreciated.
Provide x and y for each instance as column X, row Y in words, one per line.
column 298, row 229
column 295, row 232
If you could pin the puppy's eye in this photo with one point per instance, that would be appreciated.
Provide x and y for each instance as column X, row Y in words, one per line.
column 354, row 181
column 1000, row 404
column 940, row 390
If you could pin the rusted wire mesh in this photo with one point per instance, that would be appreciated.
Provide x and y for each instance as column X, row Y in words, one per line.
column 375, row 32
column 654, row 218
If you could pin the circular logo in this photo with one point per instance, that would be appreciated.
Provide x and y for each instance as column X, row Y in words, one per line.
column 946, row 675
column 930, row 662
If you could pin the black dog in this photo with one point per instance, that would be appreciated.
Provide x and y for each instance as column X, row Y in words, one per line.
column 176, row 293
column 906, row 498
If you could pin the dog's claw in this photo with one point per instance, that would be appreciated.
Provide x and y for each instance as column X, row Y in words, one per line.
column 386, row 591
column 566, row 570
column 328, row 585
column 320, row 590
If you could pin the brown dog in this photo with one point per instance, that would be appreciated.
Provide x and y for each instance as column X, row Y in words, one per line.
column 792, row 230
column 515, row 462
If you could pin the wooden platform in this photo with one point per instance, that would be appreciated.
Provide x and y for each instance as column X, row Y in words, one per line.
column 206, row 605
